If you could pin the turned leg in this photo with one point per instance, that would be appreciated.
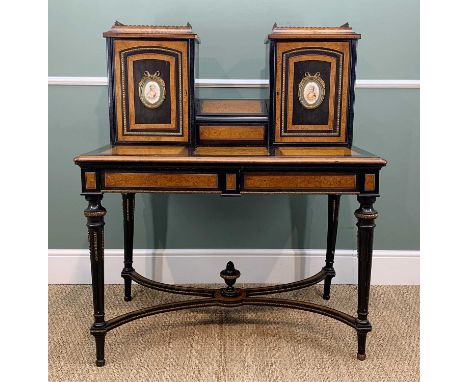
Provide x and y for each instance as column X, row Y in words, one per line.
column 366, row 216
column 95, row 217
column 333, row 208
column 128, row 201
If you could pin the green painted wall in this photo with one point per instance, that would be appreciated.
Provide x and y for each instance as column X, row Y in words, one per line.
column 232, row 34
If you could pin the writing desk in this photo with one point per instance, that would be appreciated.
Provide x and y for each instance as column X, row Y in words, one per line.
column 230, row 171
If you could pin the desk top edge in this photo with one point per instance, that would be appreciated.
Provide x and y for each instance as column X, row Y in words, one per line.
column 229, row 155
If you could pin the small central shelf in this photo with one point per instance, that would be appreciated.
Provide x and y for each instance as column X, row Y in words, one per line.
column 231, row 122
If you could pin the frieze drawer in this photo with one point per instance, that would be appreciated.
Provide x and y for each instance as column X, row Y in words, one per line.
column 160, row 181
column 299, row 182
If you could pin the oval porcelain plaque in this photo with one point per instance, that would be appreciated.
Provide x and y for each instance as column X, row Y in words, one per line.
column 311, row 91
column 152, row 90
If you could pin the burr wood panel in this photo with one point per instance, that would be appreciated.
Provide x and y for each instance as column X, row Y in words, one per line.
column 369, row 182
column 238, row 133
column 315, row 151
column 231, row 181
column 90, row 180
column 166, row 181
column 130, row 150
column 232, row 106
column 234, row 151
column 299, row 182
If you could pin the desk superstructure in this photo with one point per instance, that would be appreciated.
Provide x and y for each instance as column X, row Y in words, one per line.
column 163, row 139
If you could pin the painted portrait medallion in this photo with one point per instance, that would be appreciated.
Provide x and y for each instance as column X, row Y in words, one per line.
column 311, row 91
column 152, row 90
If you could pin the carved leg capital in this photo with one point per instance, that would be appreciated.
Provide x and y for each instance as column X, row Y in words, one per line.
column 95, row 210
column 366, row 213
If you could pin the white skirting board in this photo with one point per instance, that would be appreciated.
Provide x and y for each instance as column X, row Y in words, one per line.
column 185, row 266
column 236, row 83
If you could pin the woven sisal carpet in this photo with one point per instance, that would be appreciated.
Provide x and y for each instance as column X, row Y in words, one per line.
column 240, row 344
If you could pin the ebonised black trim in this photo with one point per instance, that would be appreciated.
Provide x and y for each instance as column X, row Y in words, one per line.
column 111, row 89
column 273, row 95
column 191, row 96
column 351, row 91
column 221, row 120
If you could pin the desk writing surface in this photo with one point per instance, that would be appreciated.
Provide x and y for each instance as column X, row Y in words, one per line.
column 241, row 155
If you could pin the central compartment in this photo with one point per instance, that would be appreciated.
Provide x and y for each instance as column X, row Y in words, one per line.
column 230, row 122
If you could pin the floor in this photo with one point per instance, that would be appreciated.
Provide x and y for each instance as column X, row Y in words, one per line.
column 239, row 344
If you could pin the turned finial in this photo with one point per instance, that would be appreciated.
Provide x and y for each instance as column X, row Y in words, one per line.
column 230, row 275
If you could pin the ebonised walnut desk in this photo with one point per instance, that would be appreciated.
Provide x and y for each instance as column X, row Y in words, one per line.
column 334, row 171
column 164, row 139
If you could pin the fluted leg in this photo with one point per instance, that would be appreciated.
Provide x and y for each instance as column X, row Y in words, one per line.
column 128, row 202
column 366, row 216
column 333, row 208
column 95, row 217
